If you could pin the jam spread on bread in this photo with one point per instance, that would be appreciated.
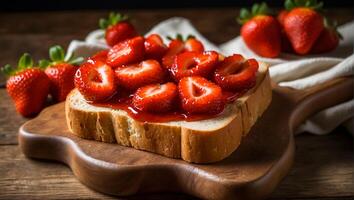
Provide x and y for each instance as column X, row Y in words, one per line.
column 125, row 102
column 153, row 82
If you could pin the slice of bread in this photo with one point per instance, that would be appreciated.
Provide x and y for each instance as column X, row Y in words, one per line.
column 202, row 141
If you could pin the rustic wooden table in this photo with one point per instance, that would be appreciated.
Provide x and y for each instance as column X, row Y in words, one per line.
column 323, row 166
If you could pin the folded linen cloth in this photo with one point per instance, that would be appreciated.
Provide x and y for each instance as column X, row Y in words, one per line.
column 299, row 72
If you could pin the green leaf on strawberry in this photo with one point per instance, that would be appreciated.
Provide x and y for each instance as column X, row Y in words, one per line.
column 25, row 62
column 257, row 9
column 76, row 61
column 113, row 19
column 313, row 4
column 332, row 25
column 7, row 70
column 57, row 55
column 43, row 63
column 180, row 37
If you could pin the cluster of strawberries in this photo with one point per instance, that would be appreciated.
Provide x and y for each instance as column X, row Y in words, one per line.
column 29, row 85
column 162, row 78
column 300, row 29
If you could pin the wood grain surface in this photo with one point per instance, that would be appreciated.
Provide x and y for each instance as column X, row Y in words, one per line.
column 323, row 168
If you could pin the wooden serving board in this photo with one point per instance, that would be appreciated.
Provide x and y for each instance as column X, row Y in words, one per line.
column 252, row 172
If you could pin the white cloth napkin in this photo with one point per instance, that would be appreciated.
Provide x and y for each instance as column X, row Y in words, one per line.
column 299, row 72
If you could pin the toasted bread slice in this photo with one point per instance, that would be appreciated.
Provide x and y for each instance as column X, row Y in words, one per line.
column 203, row 141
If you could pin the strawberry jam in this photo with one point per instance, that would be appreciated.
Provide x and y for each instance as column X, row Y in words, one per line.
column 188, row 84
column 125, row 103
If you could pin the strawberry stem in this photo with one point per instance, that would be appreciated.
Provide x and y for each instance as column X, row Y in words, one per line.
column 43, row 63
column 76, row 61
column 257, row 9
column 312, row 4
column 332, row 25
column 113, row 19
column 180, row 37
column 57, row 55
column 7, row 70
column 25, row 62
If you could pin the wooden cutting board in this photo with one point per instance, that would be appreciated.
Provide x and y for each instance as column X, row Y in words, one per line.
column 251, row 172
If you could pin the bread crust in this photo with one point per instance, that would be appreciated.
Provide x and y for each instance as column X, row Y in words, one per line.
column 172, row 140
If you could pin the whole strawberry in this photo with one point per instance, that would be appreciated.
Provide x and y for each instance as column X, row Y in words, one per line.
column 260, row 31
column 303, row 24
column 28, row 86
column 328, row 39
column 60, row 72
column 281, row 16
column 285, row 43
column 118, row 28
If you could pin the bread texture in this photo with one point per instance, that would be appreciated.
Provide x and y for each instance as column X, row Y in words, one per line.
column 203, row 141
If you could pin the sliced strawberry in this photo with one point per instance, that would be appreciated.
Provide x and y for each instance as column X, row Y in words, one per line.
column 236, row 73
column 192, row 44
column 175, row 47
column 179, row 45
column 134, row 76
column 198, row 95
column 192, row 63
column 167, row 61
column 154, row 47
column 99, row 56
column 126, row 52
column 95, row 81
column 156, row 97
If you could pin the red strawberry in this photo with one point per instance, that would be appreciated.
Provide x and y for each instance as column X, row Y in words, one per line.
column 175, row 47
column 154, row 47
column 236, row 73
column 192, row 44
column 179, row 45
column 194, row 64
column 285, row 43
column 261, row 32
column 127, row 52
column 198, row 95
column 155, row 97
column 60, row 72
column 134, row 76
column 27, row 86
column 328, row 39
column 62, row 80
column 99, row 56
column 117, row 28
column 281, row 16
column 95, row 81
column 302, row 25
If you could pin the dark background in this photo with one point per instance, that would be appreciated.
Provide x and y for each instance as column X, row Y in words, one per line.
column 39, row 5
